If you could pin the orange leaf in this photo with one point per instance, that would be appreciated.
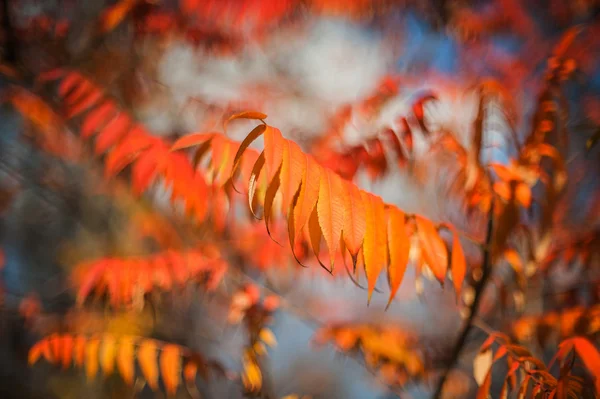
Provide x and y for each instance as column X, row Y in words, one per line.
column 254, row 134
column 309, row 194
column 54, row 341
column 145, row 169
column 79, row 350
column 222, row 159
column 504, row 173
column 112, row 133
column 125, row 363
column 147, row 361
column 78, row 93
column 67, row 350
column 91, row 99
column 189, row 372
column 127, row 150
column 254, row 176
column 191, row 140
column 330, row 211
column 523, row 194
column 314, row 232
column 458, row 263
column 292, row 170
column 35, row 352
column 354, row 219
column 590, row 356
column 269, row 198
column 273, row 151
column 69, row 83
column 399, row 249
column 375, row 242
column 97, row 116
column 170, row 367
column 244, row 115
column 107, row 354
column 433, row 248
column 91, row 357
column 113, row 15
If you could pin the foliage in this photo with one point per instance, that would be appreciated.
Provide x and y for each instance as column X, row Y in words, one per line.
column 156, row 359
column 310, row 193
column 127, row 281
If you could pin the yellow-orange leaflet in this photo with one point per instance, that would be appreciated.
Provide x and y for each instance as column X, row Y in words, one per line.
column 399, row 249
column 67, row 350
column 170, row 367
column 107, row 355
column 244, row 115
column 354, row 218
column 330, row 211
column 292, row 170
column 107, row 349
column 222, row 158
column 147, row 362
column 433, row 248
column 273, row 151
column 374, row 245
column 79, row 350
column 125, row 363
column 91, row 357
column 309, row 193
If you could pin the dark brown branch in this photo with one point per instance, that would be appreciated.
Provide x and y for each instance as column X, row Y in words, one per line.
column 479, row 289
column 10, row 39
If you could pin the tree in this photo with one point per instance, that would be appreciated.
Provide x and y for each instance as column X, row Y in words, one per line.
column 490, row 271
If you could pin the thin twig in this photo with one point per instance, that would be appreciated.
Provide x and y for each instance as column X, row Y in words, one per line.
column 479, row 288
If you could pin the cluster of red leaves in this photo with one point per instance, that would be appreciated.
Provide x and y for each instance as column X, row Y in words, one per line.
column 234, row 13
column 155, row 359
column 535, row 373
column 347, row 218
column 355, row 9
column 259, row 14
column 124, row 142
column 387, row 348
column 371, row 155
column 126, row 281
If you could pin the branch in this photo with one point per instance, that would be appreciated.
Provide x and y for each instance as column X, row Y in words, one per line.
column 479, row 288
column 10, row 39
